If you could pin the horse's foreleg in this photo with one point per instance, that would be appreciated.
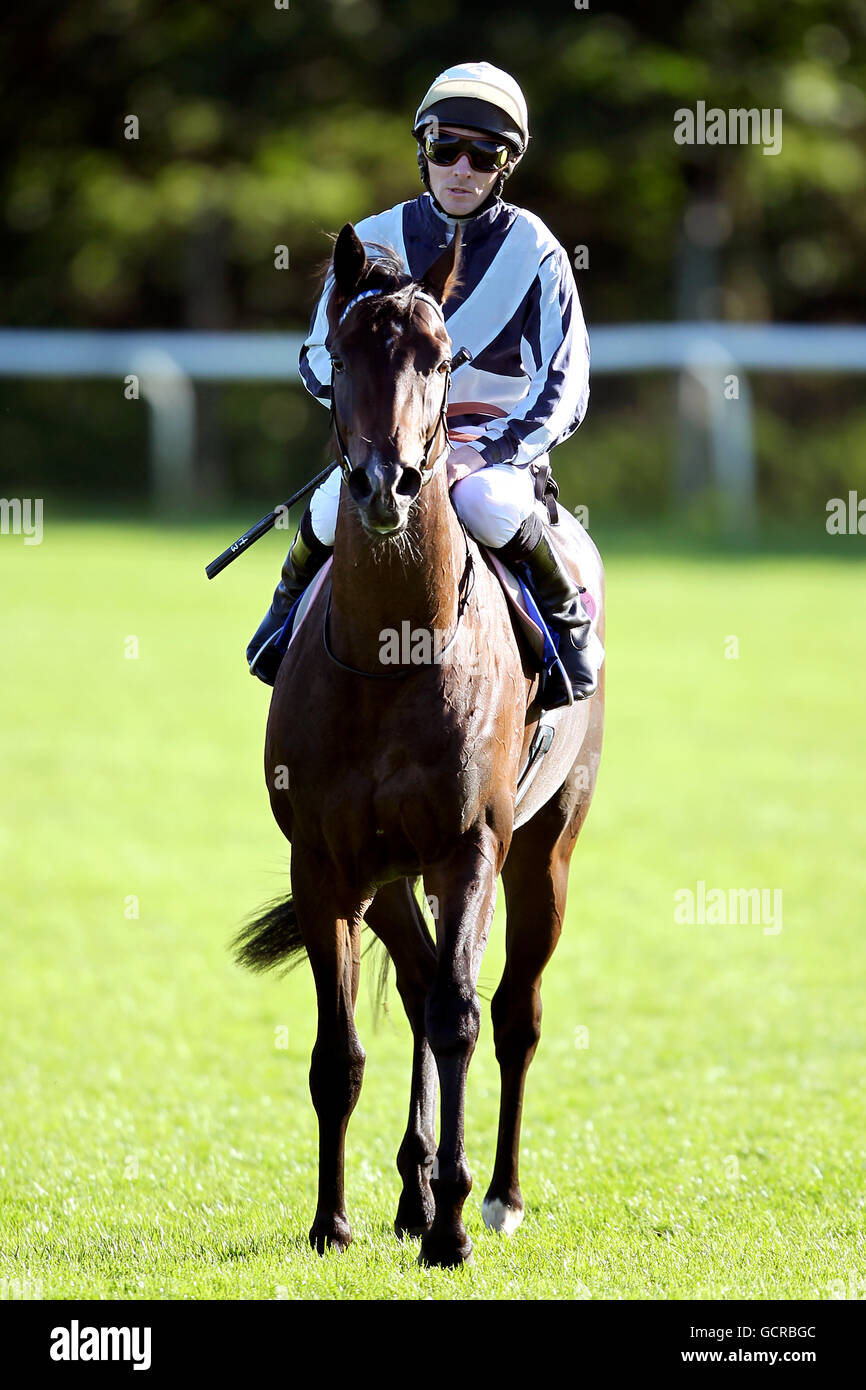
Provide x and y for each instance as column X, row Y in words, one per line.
column 397, row 920
column 332, row 937
column 535, row 877
column 464, row 886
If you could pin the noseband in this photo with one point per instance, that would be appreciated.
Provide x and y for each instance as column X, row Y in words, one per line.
column 425, row 467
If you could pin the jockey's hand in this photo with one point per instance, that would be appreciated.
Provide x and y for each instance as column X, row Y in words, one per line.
column 462, row 461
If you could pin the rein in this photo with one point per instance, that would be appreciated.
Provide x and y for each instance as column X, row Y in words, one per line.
column 426, row 469
column 464, row 590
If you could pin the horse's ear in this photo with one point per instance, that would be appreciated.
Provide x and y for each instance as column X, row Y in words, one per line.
column 442, row 276
column 350, row 260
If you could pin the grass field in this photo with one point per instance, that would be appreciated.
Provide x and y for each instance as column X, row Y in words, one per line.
column 157, row 1142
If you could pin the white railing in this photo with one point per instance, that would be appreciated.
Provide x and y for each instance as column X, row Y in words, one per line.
column 704, row 353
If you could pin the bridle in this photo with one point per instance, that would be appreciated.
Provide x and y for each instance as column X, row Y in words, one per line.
column 425, row 467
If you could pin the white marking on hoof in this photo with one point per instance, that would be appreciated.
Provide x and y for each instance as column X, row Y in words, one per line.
column 499, row 1217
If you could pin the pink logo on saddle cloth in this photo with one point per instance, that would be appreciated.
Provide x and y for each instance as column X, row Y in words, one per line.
column 589, row 605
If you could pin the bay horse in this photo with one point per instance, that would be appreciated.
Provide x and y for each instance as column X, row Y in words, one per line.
column 380, row 775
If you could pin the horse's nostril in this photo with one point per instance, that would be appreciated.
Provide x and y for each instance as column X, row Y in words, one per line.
column 409, row 484
column 359, row 485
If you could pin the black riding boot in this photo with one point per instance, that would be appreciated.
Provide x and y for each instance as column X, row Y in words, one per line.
column 302, row 564
column 558, row 597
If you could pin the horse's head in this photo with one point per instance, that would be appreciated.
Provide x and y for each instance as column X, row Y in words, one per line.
column 391, row 359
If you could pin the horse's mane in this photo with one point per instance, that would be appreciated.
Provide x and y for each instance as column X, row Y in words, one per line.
column 385, row 268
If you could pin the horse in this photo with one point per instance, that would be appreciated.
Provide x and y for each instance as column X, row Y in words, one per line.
column 382, row 775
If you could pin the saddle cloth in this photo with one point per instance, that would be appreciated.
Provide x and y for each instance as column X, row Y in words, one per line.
column 527, row 620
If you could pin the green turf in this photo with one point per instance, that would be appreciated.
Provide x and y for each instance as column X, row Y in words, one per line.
column 156, row 1142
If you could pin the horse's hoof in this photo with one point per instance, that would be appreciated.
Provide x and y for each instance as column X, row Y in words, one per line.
column 330, row 1233
column 445, row 1252
column 414, row 1218
column 503, row 1217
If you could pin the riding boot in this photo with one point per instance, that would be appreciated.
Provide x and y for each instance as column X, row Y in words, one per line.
column 558, row 598
column 303, row 562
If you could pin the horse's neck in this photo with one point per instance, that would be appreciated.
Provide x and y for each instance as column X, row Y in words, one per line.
column 379, row 585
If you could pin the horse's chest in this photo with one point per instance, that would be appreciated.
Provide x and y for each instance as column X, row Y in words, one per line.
column 398, row 800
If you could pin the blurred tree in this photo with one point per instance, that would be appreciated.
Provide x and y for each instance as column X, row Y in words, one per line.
column 276, row 125
column 180, row 164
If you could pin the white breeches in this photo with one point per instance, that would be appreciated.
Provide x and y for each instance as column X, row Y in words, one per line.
column 323, row 507
column 491, row 503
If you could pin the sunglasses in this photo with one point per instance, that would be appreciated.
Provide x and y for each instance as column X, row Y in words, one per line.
column 484, row 155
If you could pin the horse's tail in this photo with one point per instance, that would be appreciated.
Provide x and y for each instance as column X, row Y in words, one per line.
column 271, row 938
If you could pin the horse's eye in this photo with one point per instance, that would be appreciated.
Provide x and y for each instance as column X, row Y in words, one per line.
column 443, row 368
column 337, row 364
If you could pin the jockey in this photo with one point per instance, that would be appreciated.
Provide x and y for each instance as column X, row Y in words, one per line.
column 527, row 385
